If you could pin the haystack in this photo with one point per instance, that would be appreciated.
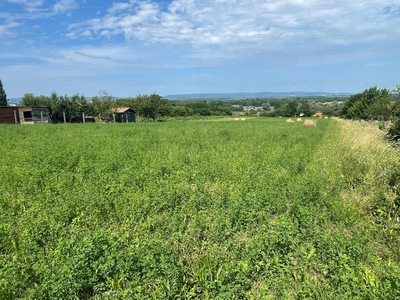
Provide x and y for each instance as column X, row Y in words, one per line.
column 310, row 123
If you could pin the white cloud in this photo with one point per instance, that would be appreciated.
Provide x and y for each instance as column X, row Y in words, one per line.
column 34, row 9
column 249, row 37
column 236, row 23
column 117, row 6
column 29, row 3
column 65, row 5
column 5, row 29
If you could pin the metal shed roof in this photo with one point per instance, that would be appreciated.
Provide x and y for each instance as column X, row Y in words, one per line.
column 121, row 110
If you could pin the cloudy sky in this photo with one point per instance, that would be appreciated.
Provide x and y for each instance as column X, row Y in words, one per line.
column 197, row 46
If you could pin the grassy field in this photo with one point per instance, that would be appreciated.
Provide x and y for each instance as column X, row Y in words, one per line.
column 261, row 209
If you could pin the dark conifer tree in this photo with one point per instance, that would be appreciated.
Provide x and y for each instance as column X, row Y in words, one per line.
column 3, row 95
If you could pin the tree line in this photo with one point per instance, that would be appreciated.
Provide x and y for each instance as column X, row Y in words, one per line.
column 148, row 107
column 153, row 107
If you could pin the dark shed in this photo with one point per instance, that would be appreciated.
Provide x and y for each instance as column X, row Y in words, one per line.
column 9, row 115
column 24, row 115
column 124, row 115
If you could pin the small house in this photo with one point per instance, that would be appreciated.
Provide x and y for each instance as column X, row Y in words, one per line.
column 24, row 115
column 124, row 115
column 318, row 114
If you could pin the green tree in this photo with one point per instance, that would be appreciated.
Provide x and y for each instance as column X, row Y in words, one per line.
column 30, row 99
column 3, row 95
column 266, row 106
column 126, row 102
column 393, row 131
column 372, row 104
column 103, row 104
column 289, row 109
column 179, row 111
column 305, row 109
column 202, row 108
column 396, row 105
column 151, row 106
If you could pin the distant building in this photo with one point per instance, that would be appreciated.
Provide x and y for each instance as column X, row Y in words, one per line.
column 24, row 115
column 124, row 115
column 249, row 108
column 318, row 114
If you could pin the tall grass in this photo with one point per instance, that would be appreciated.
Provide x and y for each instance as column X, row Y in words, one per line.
column 371, row 168
column 261, row 209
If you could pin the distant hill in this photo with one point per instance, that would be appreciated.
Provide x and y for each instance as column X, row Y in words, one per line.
column 226, row 96
column 18, row 100
column 250, row 95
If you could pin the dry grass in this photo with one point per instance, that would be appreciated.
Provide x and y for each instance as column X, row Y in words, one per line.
column 369, row 164
column 367, row 140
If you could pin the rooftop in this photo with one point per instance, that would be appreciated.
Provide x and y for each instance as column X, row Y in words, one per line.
column 121, row 110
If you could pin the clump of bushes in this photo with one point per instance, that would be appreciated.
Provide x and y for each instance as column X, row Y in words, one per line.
column 393, row 131
column 379, row 105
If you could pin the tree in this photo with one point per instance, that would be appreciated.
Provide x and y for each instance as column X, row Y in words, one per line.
column 372, row 104
column 179, row 111
column 393, row 132
column 151, row 107
column 265, row 106
column 104, row 104
column 289, row 109
column 305, row 109
column 3, row 95
column 30, row 99
column 326, row 110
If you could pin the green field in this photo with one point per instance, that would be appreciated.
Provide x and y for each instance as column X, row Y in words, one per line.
column 261, row 209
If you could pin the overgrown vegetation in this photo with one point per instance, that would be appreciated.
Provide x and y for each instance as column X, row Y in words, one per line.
column 375, row 104
column 261, row 209
column 371, row 104
column 393, row 130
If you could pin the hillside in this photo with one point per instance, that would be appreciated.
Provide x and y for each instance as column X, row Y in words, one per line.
column 233, row 96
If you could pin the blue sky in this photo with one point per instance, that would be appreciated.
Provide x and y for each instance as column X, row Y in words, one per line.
column 197, row 46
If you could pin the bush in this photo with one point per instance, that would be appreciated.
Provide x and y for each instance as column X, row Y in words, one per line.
column 393, row 132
